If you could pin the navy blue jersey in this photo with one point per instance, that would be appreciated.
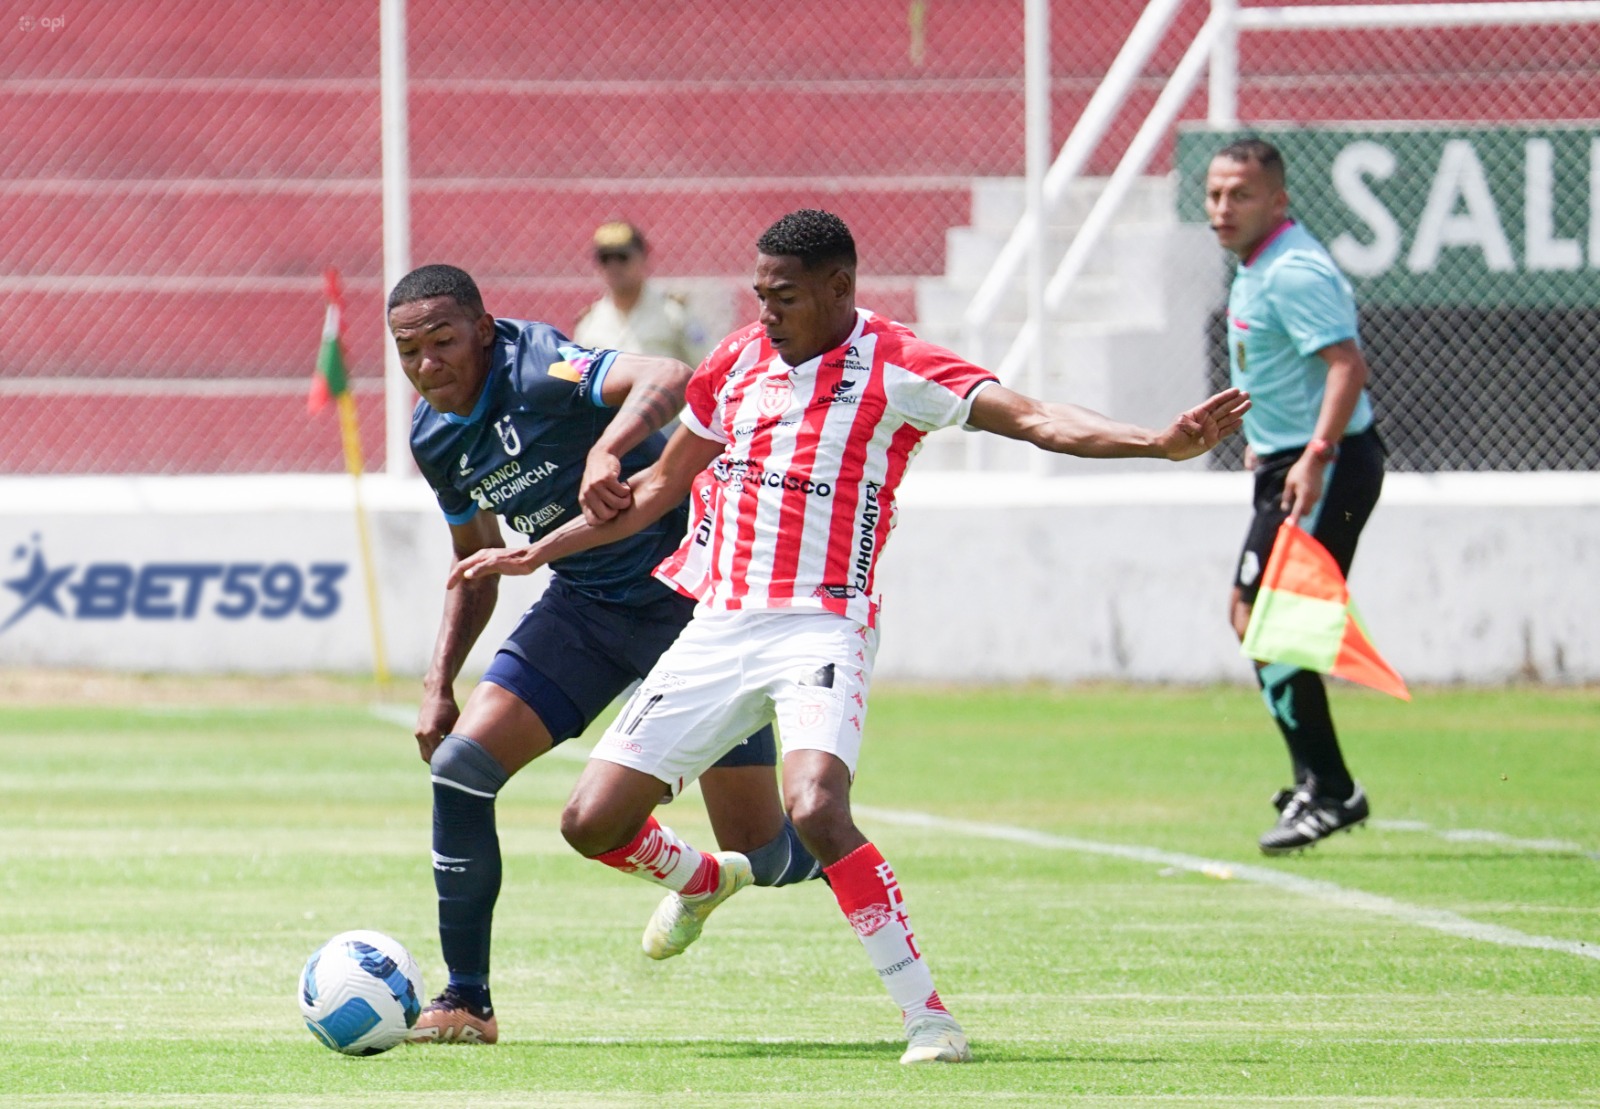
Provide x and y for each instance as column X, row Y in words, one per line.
column 521, row 452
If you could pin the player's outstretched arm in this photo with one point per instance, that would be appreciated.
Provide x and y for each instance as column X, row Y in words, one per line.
column 647, row 392
column 1070, row 429
column 466, row 614
column 655, row 491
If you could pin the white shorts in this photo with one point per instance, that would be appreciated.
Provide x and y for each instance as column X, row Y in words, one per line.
column 729, row 673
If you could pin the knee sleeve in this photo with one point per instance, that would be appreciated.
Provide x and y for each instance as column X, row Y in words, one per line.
column 460, row 763
column 783, row 860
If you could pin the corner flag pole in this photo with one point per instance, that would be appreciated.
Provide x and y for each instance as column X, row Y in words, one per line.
column 332, row 381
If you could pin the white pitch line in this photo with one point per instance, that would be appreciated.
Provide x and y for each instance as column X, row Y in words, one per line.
column 402, row 715
column 1439, row 920
column 1480, row 835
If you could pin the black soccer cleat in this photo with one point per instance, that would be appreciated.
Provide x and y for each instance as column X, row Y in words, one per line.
column 1307, row 819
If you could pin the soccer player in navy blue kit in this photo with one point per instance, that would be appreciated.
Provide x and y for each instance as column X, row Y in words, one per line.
column 511, row 417
column 1292, row 343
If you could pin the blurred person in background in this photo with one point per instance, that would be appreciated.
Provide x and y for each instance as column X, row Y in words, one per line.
column 511, row 417
column 1311, row 440
column 635, row 315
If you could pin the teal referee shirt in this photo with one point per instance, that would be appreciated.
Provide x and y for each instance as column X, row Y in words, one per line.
column 1288, row 301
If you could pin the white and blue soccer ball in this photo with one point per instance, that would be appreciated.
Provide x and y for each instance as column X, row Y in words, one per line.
column 361, row 992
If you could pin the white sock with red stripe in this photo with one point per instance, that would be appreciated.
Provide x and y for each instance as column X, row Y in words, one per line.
column 870, row 897
column 657, row 855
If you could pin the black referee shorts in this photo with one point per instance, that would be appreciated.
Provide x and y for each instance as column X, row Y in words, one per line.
column 1349, row 493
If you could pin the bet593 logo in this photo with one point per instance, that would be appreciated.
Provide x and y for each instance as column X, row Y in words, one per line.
column 172, row 590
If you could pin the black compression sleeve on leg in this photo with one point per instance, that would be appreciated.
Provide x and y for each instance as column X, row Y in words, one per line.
column 783, row 860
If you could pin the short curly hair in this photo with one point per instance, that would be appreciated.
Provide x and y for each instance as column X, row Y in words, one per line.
column 427, row 282
column 815, row 237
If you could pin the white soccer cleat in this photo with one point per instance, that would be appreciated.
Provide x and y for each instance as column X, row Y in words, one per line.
column 677, row 921
column 935, row 1038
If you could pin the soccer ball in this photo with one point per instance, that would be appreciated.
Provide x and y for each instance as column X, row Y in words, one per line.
column 361, row 992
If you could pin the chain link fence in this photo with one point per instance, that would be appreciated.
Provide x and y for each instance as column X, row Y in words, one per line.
column 176, row 175
column 1475, row 258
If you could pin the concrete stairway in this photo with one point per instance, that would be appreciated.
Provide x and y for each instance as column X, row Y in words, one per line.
column 1130, row 341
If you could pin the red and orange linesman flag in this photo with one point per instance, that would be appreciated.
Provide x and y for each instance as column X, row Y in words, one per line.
column 330, row 382
column 1304, row 617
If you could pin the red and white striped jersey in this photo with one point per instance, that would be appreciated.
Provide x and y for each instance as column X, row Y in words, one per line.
column 797, row 508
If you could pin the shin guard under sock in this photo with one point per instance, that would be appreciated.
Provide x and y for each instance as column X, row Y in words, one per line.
column 870, row 898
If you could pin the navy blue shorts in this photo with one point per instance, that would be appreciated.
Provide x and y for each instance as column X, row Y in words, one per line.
column 1349, row 494
column 571, row 655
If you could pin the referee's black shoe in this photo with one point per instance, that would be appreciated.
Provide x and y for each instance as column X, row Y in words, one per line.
column 1307, row 819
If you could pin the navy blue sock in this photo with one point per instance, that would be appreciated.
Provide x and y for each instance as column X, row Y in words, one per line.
column 783, row 860
column 1298, row 701
column 466, row 857
column 466, row 874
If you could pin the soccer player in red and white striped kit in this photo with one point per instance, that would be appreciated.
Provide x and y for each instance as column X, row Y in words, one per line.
column 807, row 421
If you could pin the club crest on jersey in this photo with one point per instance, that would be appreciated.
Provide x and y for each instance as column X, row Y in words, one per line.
column 776, row 392
column 508, row 436
column 1238, row 343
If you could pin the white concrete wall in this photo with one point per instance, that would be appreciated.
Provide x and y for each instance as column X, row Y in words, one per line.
column 1479, row 578
column 1460, row 577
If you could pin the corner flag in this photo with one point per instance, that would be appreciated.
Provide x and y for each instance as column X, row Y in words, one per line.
column 330, row 382
column 1303, row 616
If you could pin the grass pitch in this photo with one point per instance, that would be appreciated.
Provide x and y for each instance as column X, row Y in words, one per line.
column 1080, row 865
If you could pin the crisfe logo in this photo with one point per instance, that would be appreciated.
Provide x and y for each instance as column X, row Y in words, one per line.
column 171, row 590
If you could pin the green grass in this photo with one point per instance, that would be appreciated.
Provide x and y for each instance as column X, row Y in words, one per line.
column 165, row 869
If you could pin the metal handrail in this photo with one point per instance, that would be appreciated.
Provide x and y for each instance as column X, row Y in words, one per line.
column 1215, row 38
column 1085, row 136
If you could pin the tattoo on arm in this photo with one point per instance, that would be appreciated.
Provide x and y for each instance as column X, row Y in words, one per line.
column 653, row 405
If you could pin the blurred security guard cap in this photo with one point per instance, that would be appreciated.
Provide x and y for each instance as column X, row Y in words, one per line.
column 618, row 237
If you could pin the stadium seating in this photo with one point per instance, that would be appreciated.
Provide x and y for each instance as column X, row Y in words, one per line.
column 175, row 186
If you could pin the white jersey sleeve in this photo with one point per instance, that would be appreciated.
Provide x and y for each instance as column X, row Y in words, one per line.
column 929, row 386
